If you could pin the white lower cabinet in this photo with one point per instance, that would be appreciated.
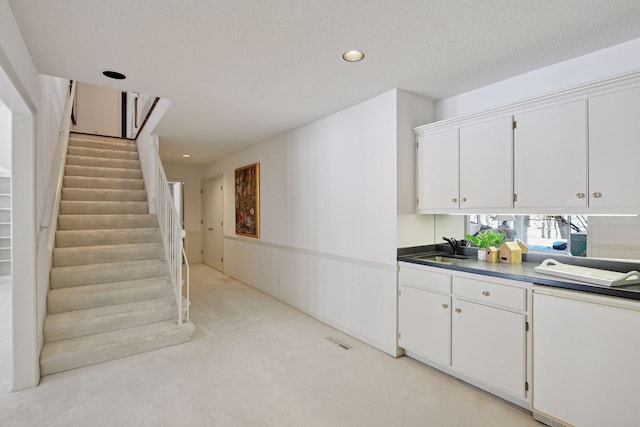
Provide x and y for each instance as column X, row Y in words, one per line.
column 490, row 345
column 471, row 326
column 424, row 319
column 585, row 356
column 425, row 323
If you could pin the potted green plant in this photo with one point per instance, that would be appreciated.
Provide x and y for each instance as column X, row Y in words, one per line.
column 485, row 239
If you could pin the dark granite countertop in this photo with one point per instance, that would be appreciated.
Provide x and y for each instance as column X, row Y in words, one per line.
column 525, row 272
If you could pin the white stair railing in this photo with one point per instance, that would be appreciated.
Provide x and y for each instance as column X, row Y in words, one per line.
column 173, row 238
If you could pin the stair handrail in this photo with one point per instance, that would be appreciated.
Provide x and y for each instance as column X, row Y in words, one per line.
column 172, row 237
column 52, row 202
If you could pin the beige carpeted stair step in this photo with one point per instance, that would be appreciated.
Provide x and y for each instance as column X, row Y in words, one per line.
column 78, row 323
column 102, row 153
column 75, row 141
column 109, row 194
column 98, row 172
column 112, row 236
column 73, row 353
column 97, row 182
column 65, row 257
column 73, row 207
column 92, row 137
column 90, row 274
column 86, row 222
column 102, row 163
column 102, row 294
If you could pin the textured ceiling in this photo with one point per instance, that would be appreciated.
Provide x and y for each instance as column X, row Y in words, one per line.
column 241, row 71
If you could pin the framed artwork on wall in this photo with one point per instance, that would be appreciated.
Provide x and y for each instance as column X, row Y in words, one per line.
column 247, row 180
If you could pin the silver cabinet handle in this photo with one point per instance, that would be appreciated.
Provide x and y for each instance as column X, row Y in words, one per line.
column 458, row 310
column 597, row 195
column 464, row 199
column 486, row 293
column 580, row 195
column 445, row 305
column 454, row 200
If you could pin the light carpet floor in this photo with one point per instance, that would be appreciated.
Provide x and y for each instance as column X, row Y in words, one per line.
column 254, row 361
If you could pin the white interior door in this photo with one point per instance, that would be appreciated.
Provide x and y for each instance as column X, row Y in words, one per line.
column 212, row 223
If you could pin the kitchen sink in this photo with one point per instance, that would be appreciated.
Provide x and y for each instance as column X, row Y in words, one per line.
column 439, row 258
column 442, row 257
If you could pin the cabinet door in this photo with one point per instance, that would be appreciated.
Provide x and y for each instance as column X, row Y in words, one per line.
column 438, row 172
column 614, row 149
column 424, row 322
column 489, row 344
column 486, row 164
column 585, row 359
column 550, row 157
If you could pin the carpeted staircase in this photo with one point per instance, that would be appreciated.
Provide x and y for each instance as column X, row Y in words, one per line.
column 111, row 294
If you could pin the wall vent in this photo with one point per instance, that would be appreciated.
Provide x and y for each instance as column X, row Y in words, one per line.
column 547, row 420
column 338, row 343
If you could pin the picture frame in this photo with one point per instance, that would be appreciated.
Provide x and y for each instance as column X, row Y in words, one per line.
column 247, row 194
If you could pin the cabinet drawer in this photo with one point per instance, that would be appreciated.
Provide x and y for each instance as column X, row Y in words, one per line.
column 493, row 293
column 427, row 280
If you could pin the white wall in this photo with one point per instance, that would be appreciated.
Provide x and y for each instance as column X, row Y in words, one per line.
column 614, row 237
column 413, row 229
column 326, row 182
column 53, row 94
column 328, row 220
column 26, row 94
column 5, row 137
column 191, row 176
column 98, row 110
column 16, row 60
column 449, row 226
column 19, row 92
column 617, row 60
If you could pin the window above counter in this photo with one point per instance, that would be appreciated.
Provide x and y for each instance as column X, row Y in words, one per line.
column 596, row 236
column 555, row 234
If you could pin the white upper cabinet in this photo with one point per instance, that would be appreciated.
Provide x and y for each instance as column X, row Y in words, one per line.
column 550, row 157
column 467, row 168
column 614, row 150
column 486, row 165
column 438, row 182
column 572, row 151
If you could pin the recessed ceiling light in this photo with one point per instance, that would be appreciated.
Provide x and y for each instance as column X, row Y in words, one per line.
column 353, row 55
column 114, row 75
column 186, row 156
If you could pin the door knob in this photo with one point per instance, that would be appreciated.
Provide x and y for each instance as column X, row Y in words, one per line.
column 597, row 195
column 580, row 195
column 464, row 199
column 458, row 310
column 485, row 293
column 445, row 305
column 210, row 229
column 454, row 200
